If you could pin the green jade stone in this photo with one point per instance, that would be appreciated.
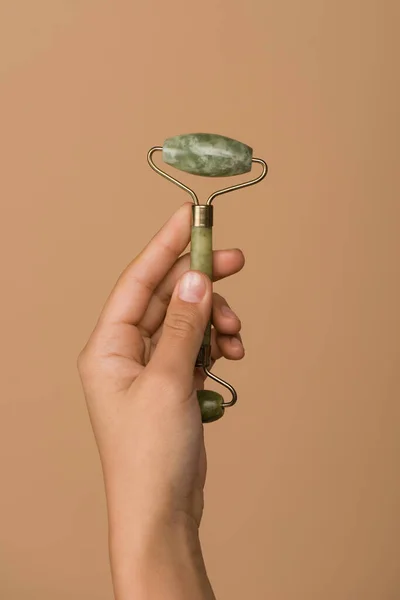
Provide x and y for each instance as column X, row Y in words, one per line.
column 210, row 405
column 207, row 154
column 201, row 259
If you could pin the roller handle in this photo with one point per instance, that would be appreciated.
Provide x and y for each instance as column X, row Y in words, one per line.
column 201, row 259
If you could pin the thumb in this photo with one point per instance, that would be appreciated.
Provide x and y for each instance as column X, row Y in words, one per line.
column 184, row 325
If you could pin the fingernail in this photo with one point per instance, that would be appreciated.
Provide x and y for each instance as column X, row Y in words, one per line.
column 236, row 343
column 228, row 312
column 192, row 287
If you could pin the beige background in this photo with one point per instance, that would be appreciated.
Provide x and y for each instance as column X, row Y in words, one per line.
column 303, row 493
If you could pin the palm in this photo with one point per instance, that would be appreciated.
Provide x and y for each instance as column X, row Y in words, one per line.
column 128, row 351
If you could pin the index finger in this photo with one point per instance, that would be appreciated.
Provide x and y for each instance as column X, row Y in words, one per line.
column 132, row 293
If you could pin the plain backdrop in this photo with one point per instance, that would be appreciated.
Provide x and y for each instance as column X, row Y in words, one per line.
column 303, row 492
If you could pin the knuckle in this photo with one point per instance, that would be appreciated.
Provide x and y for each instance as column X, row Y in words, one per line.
column 84, row 361
column 182, row 324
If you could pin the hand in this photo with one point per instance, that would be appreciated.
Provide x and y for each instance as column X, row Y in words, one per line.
column 140, row 383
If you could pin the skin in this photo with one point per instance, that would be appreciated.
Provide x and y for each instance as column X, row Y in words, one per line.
column 138, row 375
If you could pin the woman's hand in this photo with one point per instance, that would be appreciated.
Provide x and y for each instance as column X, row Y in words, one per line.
column 140, row 385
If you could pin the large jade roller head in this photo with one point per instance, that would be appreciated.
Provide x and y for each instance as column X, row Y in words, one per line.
column 208, row 155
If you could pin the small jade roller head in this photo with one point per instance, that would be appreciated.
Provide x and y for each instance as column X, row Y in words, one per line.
column 207, row 155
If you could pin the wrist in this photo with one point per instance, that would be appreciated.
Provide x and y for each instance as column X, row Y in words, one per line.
column 159, row 559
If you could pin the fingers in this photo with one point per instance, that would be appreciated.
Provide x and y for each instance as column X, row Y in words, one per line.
column 226, row 339
column 134, row 289
column 226, row 346
column 224, row 319
column 230, row 346
column 188, row 313
column 225, row 263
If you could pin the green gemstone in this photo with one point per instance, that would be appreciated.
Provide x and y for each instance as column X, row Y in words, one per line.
column 201, row 254
column 210, row 405
column 207, row 154
column 201, row 259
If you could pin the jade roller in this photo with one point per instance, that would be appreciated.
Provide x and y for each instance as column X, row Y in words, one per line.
column 207, row 155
